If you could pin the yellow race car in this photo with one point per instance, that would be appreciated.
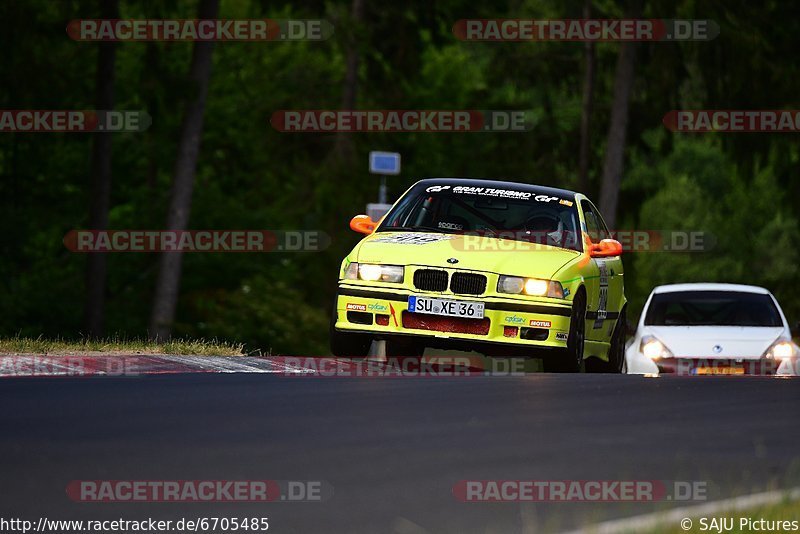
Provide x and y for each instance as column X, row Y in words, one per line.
column 501, row 268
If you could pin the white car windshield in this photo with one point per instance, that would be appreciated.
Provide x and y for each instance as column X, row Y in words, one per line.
column 712, row 308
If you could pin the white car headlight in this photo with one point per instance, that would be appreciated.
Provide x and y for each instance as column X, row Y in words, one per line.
column 371, row 272
column 654, row 349
column 530, row 286
column 782, row 349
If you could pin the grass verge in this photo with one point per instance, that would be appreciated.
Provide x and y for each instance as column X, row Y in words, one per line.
column 743, row 520
column 119, row 345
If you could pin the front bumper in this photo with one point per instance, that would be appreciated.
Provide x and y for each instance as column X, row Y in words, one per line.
column 507, row 322
column 691, row 366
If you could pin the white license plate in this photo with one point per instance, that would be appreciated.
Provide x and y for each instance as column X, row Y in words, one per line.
column 449, row 308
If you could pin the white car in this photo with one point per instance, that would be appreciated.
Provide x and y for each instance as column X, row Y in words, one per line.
column 704, row 329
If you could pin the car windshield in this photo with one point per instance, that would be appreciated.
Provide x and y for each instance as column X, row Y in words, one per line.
column 496, row 212
column 712, row 308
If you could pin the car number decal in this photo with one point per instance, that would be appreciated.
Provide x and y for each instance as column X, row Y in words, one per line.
column 602, row 305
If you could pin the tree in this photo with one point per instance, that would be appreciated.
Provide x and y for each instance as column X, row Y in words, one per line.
column 617, row 132
column 344, row 146
column 587, row 104
column 614, row 162
column 97, row 267
column 169, row 272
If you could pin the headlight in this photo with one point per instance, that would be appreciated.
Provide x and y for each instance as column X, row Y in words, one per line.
column 530, row 286
column 782, row 349
column 374, row 273
column 371, row 273
column 654, row 349
column 536, row 287
column 351, row 273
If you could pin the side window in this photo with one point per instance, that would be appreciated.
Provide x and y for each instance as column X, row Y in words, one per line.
column 594, row 223
column 592, row 226
column 604, row 233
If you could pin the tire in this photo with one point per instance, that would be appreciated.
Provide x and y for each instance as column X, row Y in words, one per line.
column 571, row 359
column 345, row 344
column 616, row 352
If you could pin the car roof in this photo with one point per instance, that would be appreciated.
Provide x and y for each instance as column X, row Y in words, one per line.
column 706, row 286
column 500, row 184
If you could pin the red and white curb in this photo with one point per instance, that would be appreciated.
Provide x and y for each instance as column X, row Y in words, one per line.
column 21, row 365
column 31, row 365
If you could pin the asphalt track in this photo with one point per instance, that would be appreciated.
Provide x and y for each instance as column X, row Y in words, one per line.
column 391, row 448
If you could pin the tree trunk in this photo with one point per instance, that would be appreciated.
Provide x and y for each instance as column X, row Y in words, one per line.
column 617, row 133
column 169, row 272
column 96, row 267
column 587, row 106
column 344, row 145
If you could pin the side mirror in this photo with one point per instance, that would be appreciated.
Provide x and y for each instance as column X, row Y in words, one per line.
column 605, row 248
column 363, row 224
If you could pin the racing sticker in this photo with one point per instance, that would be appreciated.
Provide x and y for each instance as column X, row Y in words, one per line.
column 495, row 193
column 437, row 188
column 356, row 307
column 450, row 226
column 413, row 239
column 541, row 324
column 602, row 305
column 562, row 336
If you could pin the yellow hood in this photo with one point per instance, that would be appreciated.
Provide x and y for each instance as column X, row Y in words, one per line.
column 475, row 253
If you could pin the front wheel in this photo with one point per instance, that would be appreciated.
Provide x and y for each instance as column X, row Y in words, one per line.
column 347, row 344
column 616, row 352
column 571, row 359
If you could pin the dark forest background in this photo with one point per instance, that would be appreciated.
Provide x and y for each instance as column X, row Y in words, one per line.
column 742, row 188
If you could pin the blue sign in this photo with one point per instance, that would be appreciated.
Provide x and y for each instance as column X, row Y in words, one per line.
column 384, row 162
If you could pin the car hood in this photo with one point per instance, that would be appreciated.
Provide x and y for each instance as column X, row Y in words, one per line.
column 476, row 253
column 699, row 341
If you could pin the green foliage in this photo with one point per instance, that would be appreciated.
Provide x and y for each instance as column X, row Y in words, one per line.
column 265, row 312
column 739, row 187
column 750, row 230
